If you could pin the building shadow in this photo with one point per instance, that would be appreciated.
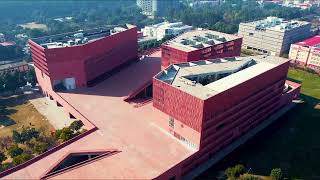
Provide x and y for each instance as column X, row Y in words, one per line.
column 291, row 143
column 6, row 108
column 124, row 81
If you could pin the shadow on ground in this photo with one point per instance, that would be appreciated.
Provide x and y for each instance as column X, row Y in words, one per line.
column 291, row 144
column 7, row 105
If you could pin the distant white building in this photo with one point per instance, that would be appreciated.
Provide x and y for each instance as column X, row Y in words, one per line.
column 205, row 3
column 159, row 31
column 2, row 38
column 63, row 19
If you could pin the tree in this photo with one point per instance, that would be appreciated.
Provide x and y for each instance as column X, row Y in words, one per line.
column 14, row 150
column 276, row 174
column 40, row 147
column 235, row 172
column 21, row 158
column 31, row 77
column 76, row 125
column 26, row 135
column 3, row 157
column 64, row 134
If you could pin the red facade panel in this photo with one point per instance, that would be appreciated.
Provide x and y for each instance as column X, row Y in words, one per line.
column 88, row 61
column 171, row 55
column 178, row 104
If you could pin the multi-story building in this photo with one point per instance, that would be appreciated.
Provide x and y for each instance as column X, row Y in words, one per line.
column 201, row 110
column 306, row 53
column 14, row 67
column 154, row 8
column 211, row 104
column 273, row 35
column 2, row 38
column 200, row 44
column 161, row 30
column 90, row 55
column 204, row 3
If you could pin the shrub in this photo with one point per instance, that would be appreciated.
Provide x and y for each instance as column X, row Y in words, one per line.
column 65, row 134
column 5, row 166
column 235, row 172
column 21, row 158
column 276, row 174
column 3, row 157
column 14, row 150
column 39, row 147
column 249, row 177
column 76, row 125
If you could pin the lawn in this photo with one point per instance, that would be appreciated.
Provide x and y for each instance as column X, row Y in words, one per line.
column 17, row 112
column 292, row 143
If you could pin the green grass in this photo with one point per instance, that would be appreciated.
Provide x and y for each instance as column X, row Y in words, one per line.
column 310, row 82
column 292, row 143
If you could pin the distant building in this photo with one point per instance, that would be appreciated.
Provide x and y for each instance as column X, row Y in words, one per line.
column 306, row 53
column 7, row 43
column 159, row 31
column 2, row 38
column 204, row 3
column 273, row 35
column 63, row 19
column 154, row 8
column 14, row 67
column 200, row 44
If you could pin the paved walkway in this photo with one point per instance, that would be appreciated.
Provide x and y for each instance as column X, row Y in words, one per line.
column 55, row 115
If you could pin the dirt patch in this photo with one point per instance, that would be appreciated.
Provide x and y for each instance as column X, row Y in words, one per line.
column 18, row 112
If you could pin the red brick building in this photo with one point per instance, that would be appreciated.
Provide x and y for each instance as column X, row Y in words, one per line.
column 212, row 104
column 78, row 59
column 200, row 112
column 200, row 45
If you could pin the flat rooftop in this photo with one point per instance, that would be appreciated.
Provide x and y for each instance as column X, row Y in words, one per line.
column 276, row 24
column 204, row 79
column 313, row 42
column 146, row 151
column 79, row 37
column 198, row 39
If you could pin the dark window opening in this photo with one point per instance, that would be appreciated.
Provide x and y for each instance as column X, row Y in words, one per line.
column 72, row 116
column 171, row 122
column 58, row 104
column 220, row 126
column 76, row 159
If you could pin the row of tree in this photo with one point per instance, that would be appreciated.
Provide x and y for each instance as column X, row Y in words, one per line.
column 12, row 81
column 238, row 172
column 30, row 142
column 226, row 17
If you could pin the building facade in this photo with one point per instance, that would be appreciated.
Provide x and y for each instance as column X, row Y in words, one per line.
column 273, row 35
column 154, row 8
column 161, row 30
column 220, row 100
column 14, row 67
column 90, row 55
column 306, row 53
column 200, row 44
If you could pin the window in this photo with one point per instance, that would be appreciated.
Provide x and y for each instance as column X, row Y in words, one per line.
column 171, row 122
column 251, row 34
column 220, row 126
